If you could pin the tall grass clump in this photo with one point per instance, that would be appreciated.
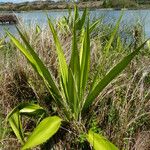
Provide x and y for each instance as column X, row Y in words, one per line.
column 75, row 90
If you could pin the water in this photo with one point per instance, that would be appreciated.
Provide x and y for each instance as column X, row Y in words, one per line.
column 39, row 17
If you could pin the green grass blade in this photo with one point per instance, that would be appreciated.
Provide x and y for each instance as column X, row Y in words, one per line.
column 114, row 72
column 108, row 45
column 45, row 130
column 99, row 142
column 15, row 123
column 93, row 26
column 37, row 64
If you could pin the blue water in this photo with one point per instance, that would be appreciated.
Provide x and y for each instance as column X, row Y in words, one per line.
column 39, row 17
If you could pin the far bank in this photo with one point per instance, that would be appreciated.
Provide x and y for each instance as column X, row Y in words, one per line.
column 51, row 5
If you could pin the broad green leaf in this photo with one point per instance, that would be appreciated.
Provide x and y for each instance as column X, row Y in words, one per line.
column 27, row 108
column 99, row 142
column 32, row 109
column 114, row 72
column 15, row 123
column 14, row 117
column 37, row 64
column 45, row 130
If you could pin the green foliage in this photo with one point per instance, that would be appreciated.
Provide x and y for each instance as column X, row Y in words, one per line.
column 15, row 123
column 82, row 138
column 66, row 24
column 94, row 125
column 113, row 114
column 70, row 91
column 110, row 76
column 46, row 129
column 14, row 117
column 100, row 142
column 37, row 31
column 120, row 3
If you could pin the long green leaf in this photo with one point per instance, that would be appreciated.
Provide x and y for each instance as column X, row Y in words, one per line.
column 14, row 117
column 74, row 72
column 114, row 72
column 99, row 142
column 32, row 109
column 63, row 68
column 85, row 60
column 74, row 95
column 26, row 108
column 15, row 123
column 83, row 19
column 93, row 26
column 45, row 130
column 61, row 57
column 41, row 68
column 76, row 13
column 37, row 64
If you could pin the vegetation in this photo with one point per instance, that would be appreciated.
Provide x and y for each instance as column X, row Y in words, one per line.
column 49, row 5
column 84, row 102
column 120, row 4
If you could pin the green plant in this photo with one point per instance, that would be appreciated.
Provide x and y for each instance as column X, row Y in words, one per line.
column 66, row 24
column 70, row 92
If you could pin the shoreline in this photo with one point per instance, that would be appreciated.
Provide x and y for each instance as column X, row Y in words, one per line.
column 90, row 9
column 58, row 6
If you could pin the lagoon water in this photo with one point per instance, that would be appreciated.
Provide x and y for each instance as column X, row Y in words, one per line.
column 32, row 18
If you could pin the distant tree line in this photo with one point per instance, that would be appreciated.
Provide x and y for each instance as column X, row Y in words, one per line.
column 89, row 0
column 120, row 1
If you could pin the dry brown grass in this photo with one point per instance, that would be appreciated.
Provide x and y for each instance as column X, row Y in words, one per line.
column 122, row 110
